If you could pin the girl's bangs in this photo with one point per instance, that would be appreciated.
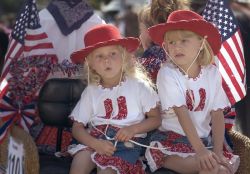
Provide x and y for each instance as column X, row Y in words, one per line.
column 178, row 34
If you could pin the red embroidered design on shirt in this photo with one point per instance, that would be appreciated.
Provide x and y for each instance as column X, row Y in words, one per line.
column 122, row 106
column 189, row 102
column 201, row 105
column 108, row 108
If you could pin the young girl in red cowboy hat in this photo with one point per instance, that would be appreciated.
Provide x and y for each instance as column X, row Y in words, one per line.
column 192, row 99
column 113, row 105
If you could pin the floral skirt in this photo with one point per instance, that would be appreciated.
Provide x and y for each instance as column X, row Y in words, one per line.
column 176, row 144
column 125, row 160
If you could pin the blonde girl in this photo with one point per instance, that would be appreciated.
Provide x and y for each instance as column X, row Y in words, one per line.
column 192, row 99
column 111, row 113
column 154, row 13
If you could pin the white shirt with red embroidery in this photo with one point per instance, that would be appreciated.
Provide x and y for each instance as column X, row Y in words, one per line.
column 120, row 106
column 207, row 92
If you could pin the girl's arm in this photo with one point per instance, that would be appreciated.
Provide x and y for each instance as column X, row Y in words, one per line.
column 188, row 127
column 100, row 146
column 152, row 121
column 218, row 130
column 207, row 160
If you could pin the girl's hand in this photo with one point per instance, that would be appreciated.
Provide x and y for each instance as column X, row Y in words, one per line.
column 207, row 160
column 224, row 161
column 104, row 147
column 125, row 134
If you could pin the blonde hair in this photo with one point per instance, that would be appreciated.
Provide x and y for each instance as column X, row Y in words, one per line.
column 159, row 10
column 130, row 68
column 206, row 56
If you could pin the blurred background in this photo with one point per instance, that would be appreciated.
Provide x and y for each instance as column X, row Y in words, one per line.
column 107, row 9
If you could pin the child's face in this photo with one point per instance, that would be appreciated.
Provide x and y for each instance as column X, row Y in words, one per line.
column 183, row 48
column 144, row 36
column 107, row 62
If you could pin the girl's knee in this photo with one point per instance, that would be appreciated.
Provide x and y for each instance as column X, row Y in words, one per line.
column 224, row 170
column 106, row 171
column 220, row 170
column 82, row 163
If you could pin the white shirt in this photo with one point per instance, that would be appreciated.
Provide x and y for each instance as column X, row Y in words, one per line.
column 207, row 91
column 120, row 106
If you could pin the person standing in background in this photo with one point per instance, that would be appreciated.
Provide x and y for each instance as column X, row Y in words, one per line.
column 154, row 13
column 130, row 20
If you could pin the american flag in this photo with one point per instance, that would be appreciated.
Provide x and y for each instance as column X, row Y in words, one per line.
column 27, row 39
column 231, row 59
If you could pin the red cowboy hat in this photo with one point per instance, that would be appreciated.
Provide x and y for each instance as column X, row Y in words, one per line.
column 187, row 20
column 103, row 35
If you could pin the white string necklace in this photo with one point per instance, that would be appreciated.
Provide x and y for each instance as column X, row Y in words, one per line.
column 186, row 72
column 130, row 142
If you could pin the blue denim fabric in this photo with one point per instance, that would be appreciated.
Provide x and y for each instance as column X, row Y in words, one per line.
column 162, row 136
column 130, row 154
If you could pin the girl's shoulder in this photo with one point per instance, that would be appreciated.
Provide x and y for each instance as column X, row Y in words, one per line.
column 168, row 69
column 136, row 83
column 212, row 70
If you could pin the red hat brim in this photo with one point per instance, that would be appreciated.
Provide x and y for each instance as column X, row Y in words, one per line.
column 130, row 43
column 200, row 27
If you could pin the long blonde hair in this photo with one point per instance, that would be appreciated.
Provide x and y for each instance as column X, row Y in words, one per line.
column 206, row 56
column 130, row 68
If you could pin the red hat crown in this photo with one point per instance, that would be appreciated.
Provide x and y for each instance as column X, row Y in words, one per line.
column 183, row 15
column 103, row 35
column 187, row 20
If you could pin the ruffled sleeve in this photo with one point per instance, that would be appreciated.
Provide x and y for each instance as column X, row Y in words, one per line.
column 83, row 109
column 169, row 89
column 148, row 97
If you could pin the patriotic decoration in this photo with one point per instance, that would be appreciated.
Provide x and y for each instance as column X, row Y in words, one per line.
column 230, row 58
column 27, row 65
column 152, row 59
